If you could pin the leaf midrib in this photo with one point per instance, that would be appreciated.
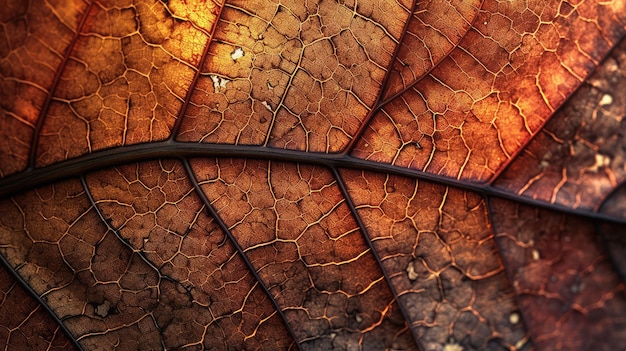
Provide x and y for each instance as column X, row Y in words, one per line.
column 81, row 165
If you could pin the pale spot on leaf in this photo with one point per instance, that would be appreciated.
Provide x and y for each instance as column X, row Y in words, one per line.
column 237, row 54
column 219, row 83
column 606, row 100
column 102, row 310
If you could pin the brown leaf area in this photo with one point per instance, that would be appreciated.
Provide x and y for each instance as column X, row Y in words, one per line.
column 25, row 326
column 566, row 283
column 442, row 258
column 320, row 175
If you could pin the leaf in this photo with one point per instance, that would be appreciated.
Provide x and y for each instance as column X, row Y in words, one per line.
column 437, row 175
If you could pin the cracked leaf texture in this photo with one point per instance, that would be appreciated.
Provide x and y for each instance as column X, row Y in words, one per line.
column 321, row 175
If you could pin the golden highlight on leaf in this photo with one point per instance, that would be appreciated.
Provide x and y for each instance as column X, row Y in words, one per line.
column 123, row 83
column 28, row 70
column 578, row 159
column 307, row 77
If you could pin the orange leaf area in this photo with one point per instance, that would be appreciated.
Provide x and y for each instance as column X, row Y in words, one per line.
column 467, row 116
column 296, row 76
column 123, row 82
column 28, row 70
column 579, row 158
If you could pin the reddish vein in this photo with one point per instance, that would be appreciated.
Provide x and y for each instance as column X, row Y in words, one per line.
column 429, row 71
column 558, row 108
column 380, row 103
column 383, row 86
column 55, row 82
column 196, row 78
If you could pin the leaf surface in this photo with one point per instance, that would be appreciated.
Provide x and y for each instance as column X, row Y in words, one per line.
column 376, row 175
